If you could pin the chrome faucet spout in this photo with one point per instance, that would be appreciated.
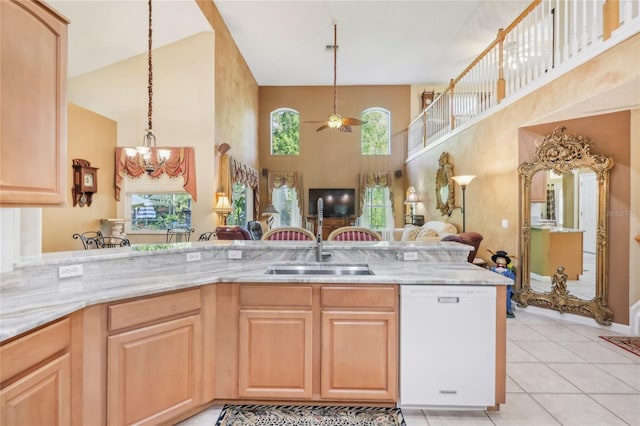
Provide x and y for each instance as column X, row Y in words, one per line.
column 320, row 209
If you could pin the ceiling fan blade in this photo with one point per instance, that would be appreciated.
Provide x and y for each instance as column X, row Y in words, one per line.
column 348, row 121
column 326, row 126
column 346, row 129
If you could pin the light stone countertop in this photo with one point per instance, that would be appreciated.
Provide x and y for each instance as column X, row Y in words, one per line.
column 34, row 295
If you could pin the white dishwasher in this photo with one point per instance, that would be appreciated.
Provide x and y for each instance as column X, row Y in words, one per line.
column 447, row 346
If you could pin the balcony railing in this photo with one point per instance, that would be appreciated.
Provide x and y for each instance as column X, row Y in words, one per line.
column 545, row 36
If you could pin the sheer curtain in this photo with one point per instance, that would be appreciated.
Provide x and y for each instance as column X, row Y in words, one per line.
column 383, row 180
column 285, row 197
column 366, row 218
column 285, row 200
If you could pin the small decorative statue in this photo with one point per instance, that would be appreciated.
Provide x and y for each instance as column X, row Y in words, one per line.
column 504, row 267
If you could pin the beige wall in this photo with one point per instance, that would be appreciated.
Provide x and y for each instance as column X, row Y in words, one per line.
column 183, row 111
column 236, row 101
column 489, row 149
column 91, row 137
column 331, row 158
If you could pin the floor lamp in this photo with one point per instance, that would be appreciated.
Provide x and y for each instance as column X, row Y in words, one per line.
column 463, row 181
column 270, row 211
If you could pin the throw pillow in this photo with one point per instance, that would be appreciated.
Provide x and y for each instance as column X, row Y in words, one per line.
column 426, row 234
column 410, row 233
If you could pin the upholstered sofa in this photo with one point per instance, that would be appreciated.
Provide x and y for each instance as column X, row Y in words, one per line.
column 433, row 230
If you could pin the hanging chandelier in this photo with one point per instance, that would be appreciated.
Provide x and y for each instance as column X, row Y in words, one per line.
column 149, row 156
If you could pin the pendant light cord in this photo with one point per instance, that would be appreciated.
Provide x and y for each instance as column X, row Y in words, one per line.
column 335, row 60
column 150, row 83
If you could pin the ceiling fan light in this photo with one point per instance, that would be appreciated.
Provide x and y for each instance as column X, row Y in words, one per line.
column 335, row 121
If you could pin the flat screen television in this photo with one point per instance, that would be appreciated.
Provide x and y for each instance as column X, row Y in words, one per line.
column 337, row 202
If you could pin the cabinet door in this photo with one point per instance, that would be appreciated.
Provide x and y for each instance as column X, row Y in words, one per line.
column 359, row 356
column 275, row 354
column 32, row 105
column 154, row 373
column 42, row 397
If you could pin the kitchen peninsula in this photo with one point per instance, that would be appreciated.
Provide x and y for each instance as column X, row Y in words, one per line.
column 553, row 246
column 151, row 334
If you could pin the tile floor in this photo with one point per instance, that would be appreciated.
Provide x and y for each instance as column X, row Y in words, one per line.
column 558, row 373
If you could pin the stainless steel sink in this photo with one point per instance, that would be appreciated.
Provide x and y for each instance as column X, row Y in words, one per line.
column 318, row 269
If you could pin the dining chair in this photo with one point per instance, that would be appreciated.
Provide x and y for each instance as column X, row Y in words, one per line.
column 288, row 233
column 89, row 239
column 95, row 240
column 354, row 233
column 206, row 236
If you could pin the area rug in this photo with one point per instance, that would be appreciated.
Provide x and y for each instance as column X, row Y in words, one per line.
column 289, row 415
column 631, row 344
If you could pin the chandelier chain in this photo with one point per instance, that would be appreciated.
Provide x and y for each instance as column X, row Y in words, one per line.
column 335, row 68
column 150, row 65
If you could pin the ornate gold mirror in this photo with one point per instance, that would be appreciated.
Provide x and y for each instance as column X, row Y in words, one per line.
column 563, row 239
column 444, row 185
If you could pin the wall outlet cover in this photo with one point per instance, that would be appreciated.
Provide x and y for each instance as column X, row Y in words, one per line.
column 67, row 271
column 410, row 255
column 194, row 256
column 234, row 254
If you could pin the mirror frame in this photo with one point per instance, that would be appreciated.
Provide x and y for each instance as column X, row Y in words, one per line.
column 444, row 177
column 561, row 154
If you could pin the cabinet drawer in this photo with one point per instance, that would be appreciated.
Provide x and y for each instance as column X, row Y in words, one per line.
column 34, row 348
column 143, row 311
column 359, row 296
column 275, row 295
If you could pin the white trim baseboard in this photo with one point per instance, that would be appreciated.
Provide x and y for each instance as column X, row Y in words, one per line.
column 577, row 319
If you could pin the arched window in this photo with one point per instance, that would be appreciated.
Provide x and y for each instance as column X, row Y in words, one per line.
column 376, row 132
column 285, row 132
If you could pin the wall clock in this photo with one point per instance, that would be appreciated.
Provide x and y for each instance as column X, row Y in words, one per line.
column 85, row 182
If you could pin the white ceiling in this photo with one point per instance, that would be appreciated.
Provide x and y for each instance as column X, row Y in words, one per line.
column 284, row 42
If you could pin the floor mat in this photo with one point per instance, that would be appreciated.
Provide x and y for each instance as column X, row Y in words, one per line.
column 289, row 415
column 631, row 344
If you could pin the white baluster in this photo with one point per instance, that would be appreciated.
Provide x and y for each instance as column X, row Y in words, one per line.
column 565, row 32
column 585, row 33
column 595, row 20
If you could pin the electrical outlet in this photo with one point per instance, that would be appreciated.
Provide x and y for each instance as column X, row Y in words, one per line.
column 194, row 256
column 505, row 223
column 234, row 254
column 410, row 255
column 70, row 271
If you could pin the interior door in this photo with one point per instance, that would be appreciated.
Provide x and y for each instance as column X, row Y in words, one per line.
column 588, row 210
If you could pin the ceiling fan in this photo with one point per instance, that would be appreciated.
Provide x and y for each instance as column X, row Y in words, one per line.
column 336, row 121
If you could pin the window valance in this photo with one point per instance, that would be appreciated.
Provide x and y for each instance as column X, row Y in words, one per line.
column 279, row 179
column 233, row 171
column 181, row 162
column 241, row 173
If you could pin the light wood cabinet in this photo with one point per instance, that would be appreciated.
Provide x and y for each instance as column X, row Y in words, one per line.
column 32, row 104
column 154, row 371
column 317, row 342
column 275, row 357
column 359, row 360
column 359, row 343
column 36, row 377
column 275, row 342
